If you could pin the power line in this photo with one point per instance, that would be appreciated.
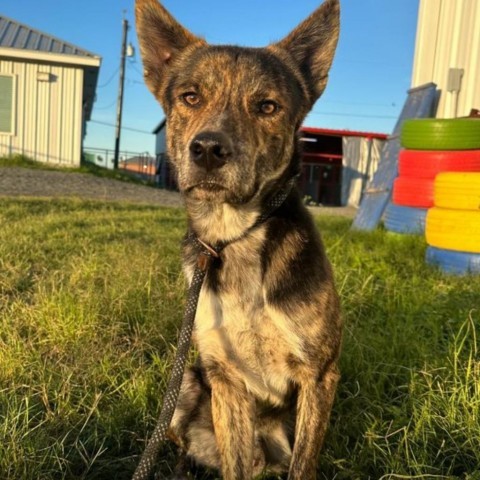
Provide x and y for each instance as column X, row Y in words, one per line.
column 123, row 128
column 365, row 104
column 132, row 64
column 110, row 79
column 107, row 107
column 359, row 115
column 129, row 80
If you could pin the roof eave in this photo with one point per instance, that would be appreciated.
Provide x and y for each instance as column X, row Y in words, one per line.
column 50, row 57
column 159, row 126
column 343, row 133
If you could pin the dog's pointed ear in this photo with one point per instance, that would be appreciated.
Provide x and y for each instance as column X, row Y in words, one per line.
column 161, row 39
column 312, row 45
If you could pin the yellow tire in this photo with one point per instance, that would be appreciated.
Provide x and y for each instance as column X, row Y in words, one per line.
column 450, row 229
column 457, row 190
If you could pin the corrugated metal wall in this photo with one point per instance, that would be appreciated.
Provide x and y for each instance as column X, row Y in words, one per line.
column 47, row 113
column 161, row 141
column 448, row 36
column 360, row 161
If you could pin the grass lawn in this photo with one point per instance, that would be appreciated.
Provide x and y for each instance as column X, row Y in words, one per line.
column 90, row 300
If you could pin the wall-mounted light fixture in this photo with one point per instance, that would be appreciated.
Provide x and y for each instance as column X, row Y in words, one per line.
column 43, row 77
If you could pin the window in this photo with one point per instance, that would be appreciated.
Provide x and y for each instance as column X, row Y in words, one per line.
column 6, row 104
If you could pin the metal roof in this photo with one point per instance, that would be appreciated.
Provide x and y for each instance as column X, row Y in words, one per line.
column 14, row 34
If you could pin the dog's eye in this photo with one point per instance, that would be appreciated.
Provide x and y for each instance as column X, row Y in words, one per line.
column 267, row 107
column 191, row 98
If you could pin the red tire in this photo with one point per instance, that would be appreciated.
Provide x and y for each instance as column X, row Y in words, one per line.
column 413, row 192
column 427, row 163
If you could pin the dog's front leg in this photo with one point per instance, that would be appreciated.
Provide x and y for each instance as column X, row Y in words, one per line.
column 315, row 399
column 233, row 411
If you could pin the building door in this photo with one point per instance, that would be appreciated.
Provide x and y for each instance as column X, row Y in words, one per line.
column 321, row 182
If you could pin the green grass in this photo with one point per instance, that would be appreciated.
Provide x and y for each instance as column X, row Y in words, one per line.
column 91, row 298
column 21, row 161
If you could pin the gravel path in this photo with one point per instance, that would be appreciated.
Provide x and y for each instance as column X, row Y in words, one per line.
column 45, row 183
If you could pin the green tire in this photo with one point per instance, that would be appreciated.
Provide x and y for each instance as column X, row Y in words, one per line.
column 441, row 134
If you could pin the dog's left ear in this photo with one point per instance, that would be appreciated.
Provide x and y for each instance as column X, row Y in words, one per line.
column 312, row 45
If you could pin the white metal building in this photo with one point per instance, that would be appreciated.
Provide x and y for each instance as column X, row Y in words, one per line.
column 47, row 90
column 447, row 53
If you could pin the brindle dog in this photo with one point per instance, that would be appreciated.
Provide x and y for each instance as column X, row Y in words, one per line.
column 268, row 326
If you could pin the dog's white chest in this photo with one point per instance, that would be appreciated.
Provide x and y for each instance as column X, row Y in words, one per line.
column 238, row 329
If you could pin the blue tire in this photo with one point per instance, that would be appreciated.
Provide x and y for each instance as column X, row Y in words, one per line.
column 450, row 261
column 401, row 219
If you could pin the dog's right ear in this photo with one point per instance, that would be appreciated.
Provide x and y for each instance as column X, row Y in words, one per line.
column 161, row 40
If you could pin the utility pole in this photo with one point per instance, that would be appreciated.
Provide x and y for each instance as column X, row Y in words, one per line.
column 121, row 84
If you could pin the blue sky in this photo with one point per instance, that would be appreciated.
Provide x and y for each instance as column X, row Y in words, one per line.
column 368, row 81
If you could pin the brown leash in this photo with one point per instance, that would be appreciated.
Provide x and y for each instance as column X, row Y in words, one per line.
column 204, row 260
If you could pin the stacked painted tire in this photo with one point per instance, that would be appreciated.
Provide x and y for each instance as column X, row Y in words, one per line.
column 431, row 146
column 453, row 224
column 447, row 182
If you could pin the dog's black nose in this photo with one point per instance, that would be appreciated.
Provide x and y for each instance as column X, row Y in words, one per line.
column 210, row 150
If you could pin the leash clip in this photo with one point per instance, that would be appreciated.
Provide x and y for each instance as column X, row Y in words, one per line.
column 205, row 258
column 204, row 261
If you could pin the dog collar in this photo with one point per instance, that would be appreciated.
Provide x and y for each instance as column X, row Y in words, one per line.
column 208, row 252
